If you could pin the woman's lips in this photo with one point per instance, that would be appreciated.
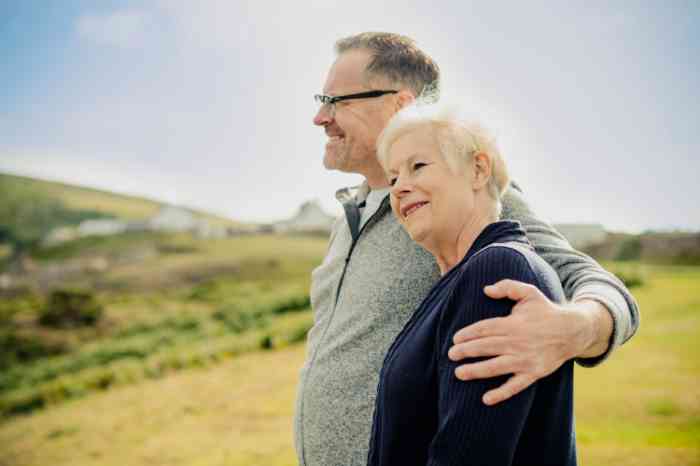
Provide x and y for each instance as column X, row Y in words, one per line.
column 410, row 208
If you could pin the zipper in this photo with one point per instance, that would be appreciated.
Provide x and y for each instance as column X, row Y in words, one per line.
column 355, row 239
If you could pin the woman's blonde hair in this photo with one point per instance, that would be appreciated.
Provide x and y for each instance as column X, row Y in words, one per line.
column 457, row 139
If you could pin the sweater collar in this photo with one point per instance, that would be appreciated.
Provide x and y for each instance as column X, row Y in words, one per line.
column 497, row 232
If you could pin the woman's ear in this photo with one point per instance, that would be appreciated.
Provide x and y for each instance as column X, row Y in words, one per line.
column 481, row 167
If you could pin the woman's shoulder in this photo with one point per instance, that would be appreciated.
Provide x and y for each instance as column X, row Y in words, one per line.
column 516, row 261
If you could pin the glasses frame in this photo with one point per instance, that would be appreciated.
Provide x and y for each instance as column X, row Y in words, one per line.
column 331, row 100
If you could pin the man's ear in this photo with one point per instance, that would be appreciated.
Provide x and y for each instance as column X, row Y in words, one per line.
column 481, row 167
column 404, row 98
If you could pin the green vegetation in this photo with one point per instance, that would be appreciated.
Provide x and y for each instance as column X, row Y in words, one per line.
column 27, row 213
column 188, row 304
column 70, row 308
column 640, row 407
column 630, row 249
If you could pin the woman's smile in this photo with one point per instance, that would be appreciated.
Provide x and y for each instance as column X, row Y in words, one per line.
column 412, row 207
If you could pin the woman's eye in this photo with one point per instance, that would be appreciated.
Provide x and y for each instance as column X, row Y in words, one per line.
column 392, row 181
column 418, row 165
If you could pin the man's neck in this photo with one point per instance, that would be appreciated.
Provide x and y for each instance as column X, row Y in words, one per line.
column 377, row 180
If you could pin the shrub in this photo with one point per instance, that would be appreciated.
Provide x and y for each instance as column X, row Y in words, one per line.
column 266, row 342
column 16, row 348
column 632, row 277
column 70, row 308
column 630, row 249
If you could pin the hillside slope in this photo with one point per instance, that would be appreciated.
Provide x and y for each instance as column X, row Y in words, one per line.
column 31, row 207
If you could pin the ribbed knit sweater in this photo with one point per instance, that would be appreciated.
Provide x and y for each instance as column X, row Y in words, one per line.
column 424, row 415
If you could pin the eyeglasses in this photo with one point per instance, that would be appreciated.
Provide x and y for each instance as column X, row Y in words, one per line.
column 333, row 99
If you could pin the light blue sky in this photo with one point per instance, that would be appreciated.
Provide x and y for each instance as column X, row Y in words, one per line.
column 209, row 103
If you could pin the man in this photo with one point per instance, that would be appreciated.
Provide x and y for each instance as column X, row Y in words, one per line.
column 374, row 276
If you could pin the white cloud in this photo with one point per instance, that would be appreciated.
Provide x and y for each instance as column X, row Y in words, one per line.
column 124, row 28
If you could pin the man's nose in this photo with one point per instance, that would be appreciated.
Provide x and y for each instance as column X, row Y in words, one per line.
column 324, row 116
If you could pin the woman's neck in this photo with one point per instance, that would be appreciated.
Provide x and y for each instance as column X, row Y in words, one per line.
column 448, row 252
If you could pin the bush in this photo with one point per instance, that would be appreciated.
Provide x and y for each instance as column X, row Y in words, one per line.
column 16, row 348
column 70, row 308
column 266, row 343
column 632, row 277
column 630, row 249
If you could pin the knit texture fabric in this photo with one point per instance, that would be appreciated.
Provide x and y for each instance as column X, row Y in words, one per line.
column 425, row 415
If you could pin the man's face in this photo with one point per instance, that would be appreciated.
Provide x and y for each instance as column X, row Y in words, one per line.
column 353, row 128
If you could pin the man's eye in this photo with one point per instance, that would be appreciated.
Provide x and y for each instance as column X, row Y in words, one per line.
column 419, row 165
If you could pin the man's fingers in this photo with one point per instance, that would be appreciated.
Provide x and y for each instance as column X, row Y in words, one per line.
column 512, row 387
column 490, row 346
column 511, row 289
column 485, row 369
column 483, row 328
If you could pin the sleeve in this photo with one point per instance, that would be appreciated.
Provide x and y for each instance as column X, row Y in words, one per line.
column 580, row 275
column 468, row 431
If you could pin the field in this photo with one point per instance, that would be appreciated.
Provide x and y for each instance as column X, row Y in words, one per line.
column 186, row 373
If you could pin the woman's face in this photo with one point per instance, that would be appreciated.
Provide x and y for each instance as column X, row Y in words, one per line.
column 431, row 201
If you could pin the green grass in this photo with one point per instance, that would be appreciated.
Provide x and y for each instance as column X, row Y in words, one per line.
column 29, row 386
column 199, row 301
column 226, row 399
column 645, row 399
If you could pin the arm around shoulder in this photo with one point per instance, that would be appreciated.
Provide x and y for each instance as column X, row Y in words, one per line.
column 583, row 280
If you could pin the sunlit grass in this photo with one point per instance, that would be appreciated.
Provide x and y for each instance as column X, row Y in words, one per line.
column 642, row 407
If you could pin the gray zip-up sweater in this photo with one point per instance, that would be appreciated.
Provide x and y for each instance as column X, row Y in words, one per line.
column 369, row 284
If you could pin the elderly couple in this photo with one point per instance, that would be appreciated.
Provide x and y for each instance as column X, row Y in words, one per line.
column 444, row 333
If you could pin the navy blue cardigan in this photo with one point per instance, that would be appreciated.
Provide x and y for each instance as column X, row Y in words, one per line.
column 425, row 415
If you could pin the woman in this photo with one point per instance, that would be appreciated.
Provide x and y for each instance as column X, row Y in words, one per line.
column 447, row 178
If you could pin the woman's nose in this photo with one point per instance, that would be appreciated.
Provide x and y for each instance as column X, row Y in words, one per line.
column 400, row 187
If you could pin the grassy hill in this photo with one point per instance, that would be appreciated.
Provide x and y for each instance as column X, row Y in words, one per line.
column 81, row 198
column 30, row 208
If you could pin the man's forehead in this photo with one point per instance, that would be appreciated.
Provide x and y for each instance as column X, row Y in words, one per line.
column 347, row 74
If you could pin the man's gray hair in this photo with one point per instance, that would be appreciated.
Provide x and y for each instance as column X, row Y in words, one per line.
column 396, row 58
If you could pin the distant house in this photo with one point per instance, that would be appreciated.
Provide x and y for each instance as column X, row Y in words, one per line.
column 169, row 218
column 309, row 219
column 59, row 235
column 207, row 230
column 581, row 235
column 101, row 227
column 173, row 218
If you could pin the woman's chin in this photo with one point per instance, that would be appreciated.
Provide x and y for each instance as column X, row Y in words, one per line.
column 418, row 236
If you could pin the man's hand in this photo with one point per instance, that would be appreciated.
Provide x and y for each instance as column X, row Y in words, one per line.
column 532, row 342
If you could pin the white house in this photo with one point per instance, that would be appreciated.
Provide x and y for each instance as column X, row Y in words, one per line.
column 309, row 219
column 173, row 218
column 101, row 227
column 59, row 235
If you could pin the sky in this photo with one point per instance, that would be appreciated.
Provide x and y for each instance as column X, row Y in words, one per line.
column 209, row 104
